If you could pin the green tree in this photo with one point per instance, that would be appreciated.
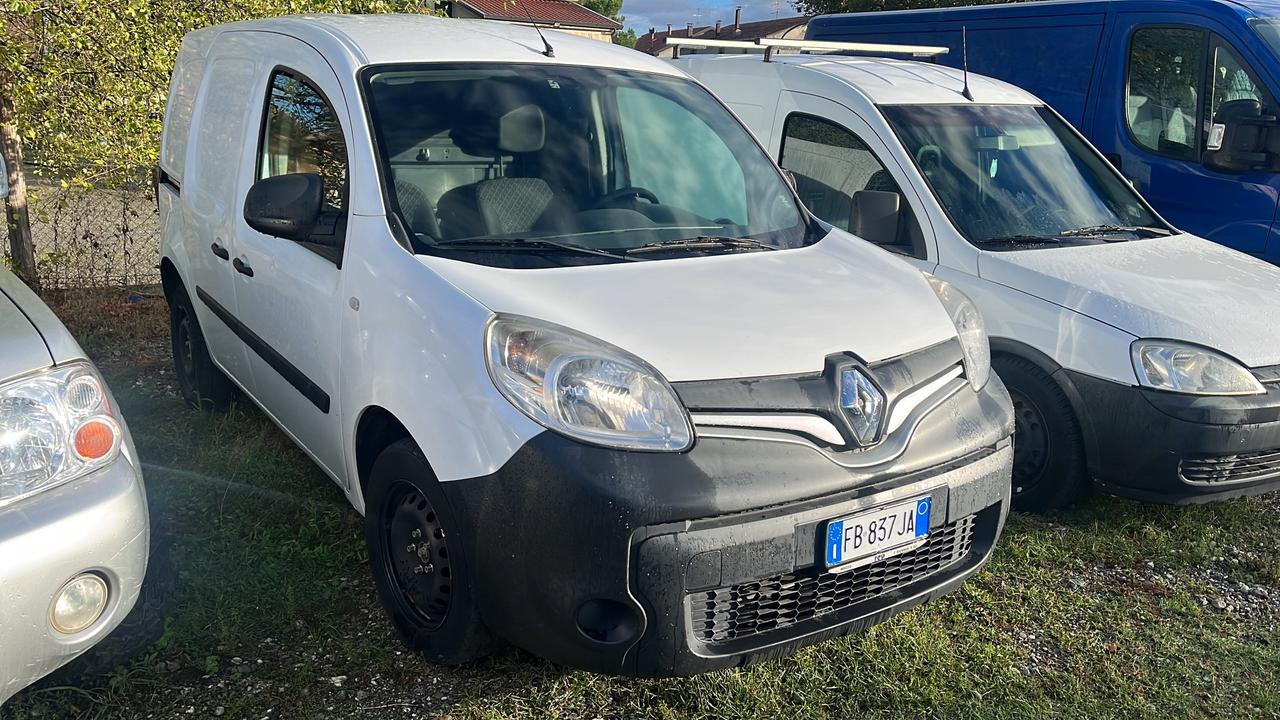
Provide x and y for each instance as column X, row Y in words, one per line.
column 83, row 83
column 823, row 7
column 612, row 9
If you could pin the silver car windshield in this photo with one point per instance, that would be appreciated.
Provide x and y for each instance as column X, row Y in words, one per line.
column 590, row 164
column 1017, row 176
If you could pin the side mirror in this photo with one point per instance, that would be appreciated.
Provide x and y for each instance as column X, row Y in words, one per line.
column 4, row 180
column 1239, row 139
column 874, row 216
column 285, row 206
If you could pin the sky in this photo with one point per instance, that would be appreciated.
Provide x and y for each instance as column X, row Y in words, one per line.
column 644, row 14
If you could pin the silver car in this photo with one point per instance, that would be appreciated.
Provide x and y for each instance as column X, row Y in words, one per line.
column 73, row 510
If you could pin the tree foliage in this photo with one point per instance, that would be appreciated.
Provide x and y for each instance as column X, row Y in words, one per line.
column 90, row 78
column 612, row 9
column 823, row 7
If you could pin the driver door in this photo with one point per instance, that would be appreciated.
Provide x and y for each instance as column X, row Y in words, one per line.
column 840, row 175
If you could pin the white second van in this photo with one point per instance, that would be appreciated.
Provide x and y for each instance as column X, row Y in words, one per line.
column 1139, row 356
column 557, row 325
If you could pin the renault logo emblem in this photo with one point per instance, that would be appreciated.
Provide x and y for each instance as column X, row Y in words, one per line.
column 863, row 405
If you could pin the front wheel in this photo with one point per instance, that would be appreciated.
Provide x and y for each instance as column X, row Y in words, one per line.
column 418, row 560
column 1048, row 450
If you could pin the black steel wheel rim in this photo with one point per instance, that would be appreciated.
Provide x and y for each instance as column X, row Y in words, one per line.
column 416, row 556
column 185, row 350
column 1030, row 444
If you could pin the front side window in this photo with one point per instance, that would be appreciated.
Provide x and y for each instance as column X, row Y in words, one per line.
column 841, row 180
column 537, row 166
column 301, row 134
column 1016, row 176
column 1165, row 87
column 1230, row 80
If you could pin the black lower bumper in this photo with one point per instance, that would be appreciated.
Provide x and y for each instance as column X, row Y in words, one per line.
column 1162, row 447
column 578, row 561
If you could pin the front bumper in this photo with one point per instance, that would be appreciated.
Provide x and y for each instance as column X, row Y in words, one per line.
column 95, row 524
column 1163, row 447
column 657, row 564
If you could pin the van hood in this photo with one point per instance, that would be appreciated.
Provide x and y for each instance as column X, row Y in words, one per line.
column 1177, row 288
column 22, row 349
column 741, row 315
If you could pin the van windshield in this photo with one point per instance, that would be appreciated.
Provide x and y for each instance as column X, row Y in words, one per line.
column 1014, row 177
column 1269, row 29
column 537, row 166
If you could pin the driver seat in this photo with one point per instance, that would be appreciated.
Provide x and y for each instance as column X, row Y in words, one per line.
column 502, row 205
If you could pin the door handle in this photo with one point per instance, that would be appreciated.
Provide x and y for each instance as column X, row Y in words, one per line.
column 241, row 267
column 220, row 251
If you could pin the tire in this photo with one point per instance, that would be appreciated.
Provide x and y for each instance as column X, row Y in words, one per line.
column 1048, row 449
column 202, row 384
column 419, row 560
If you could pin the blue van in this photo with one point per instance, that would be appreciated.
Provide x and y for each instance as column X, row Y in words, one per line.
column 1179, row 94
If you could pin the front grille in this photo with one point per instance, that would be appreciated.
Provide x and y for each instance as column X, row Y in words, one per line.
column 759, row 606
column 1268, row 374
column 1222, row 469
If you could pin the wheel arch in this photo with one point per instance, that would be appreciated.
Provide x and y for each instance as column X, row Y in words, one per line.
column 375, row 431
column 1008, row 347
column 170, row 278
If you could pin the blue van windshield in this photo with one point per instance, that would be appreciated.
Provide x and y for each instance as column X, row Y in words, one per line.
column 1269, row 30
column 1015, row 176
column 529, row 165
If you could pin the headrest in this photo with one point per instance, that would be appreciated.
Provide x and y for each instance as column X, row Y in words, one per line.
column 522, row 130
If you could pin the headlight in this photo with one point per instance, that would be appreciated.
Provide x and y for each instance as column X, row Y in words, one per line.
column 585, row 388
column 1190, row 369
column 970, row 328
column 54, row 427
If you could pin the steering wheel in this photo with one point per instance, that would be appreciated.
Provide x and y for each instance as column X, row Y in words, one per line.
column 633, row 192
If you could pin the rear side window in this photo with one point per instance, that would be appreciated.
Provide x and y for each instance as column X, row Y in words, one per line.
column 649, row 121
column 301, row 134
column 1165, row 89
column 832, row 166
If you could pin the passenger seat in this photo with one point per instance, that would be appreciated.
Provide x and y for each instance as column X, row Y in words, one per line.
column 503, row 205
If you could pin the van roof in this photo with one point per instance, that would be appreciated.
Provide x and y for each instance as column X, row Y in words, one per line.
column 1249, row 8
column 888, row 81
column 359, row 40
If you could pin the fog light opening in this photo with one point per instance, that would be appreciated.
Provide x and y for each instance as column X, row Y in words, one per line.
column 79, row 604
column 608, row 622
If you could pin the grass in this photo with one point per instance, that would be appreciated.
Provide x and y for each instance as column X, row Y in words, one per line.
column 1106, row 610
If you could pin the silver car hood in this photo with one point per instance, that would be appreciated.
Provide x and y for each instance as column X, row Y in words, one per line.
column 31, row 336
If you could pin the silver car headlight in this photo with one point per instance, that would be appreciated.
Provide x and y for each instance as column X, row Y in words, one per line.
column 585, row 388
column 970, row 328
column 1191, row 369
column 55, row 426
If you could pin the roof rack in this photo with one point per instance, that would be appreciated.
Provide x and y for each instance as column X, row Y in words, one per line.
column 771, row 45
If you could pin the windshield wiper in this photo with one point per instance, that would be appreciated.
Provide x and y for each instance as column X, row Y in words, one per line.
column 702, row 241
column 530, row 244
column 1020, row 240
column 1106, row 229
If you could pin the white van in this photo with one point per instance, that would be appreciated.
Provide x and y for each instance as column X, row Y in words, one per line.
column 1139, row 356
column 560, row 329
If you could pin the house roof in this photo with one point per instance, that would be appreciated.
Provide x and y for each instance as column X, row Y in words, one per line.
column 653, row 42
column 550, row 12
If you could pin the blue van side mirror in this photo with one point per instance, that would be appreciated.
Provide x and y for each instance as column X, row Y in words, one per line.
column 1240, row 139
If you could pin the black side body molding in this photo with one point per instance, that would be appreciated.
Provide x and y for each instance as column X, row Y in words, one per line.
column 287, row 370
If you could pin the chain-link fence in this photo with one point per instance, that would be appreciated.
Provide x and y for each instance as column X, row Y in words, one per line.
column 104, row 236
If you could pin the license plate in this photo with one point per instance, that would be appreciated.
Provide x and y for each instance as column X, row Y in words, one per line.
column 877, row 534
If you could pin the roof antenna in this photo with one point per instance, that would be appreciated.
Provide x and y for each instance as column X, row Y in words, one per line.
column 964, row 51
column 548, row 51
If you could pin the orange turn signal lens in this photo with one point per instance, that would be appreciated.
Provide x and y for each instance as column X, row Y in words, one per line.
column 95, row 439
